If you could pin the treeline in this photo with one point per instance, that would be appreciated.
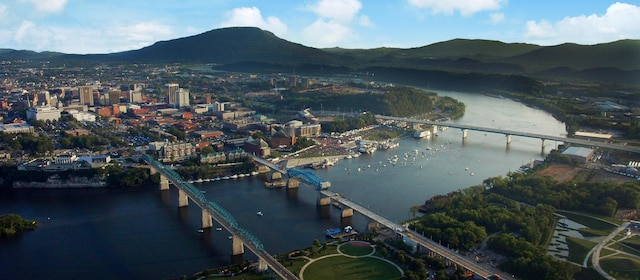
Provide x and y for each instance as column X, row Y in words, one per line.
column 602, row 198
column 193, row 169
column 31, row 143
column 463, row 219
column 11, row 224
column 345, row 124
column 397, row 101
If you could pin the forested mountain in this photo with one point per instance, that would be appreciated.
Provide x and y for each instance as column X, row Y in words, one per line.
column 253, row 49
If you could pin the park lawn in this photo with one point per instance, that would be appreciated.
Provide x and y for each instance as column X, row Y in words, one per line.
column 621, row 267
column 594, row 226
column 355, row 250
column 578, row 249
column 620, row 246
column 342, row 267
column 633, row 242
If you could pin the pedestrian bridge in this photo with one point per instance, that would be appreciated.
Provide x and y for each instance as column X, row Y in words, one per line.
column 210, row 210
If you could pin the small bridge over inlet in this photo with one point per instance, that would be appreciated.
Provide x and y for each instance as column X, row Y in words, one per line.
column 211, row 210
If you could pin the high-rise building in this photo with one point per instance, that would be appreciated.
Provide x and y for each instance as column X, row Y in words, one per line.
column 114, row 97
column 86, row 95
column 172, row 90
column 134, row 96
column 182, row 98
column 44, row 98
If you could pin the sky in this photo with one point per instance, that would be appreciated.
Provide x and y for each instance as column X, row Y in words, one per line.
column 96, row 26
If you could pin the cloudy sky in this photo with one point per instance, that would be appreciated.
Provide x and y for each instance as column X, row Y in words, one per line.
column 95, row 26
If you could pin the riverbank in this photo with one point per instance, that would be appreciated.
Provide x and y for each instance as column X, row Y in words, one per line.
column 300, row 162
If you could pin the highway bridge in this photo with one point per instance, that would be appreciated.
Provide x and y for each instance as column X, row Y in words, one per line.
column 425, row 245
column 241, row 237
column 509, row 133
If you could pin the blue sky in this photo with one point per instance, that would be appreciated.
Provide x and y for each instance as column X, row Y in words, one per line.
column 95, row 26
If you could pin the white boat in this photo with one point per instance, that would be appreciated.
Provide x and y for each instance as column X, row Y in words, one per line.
column 206, row 180
column 199, row 180
column 259, row 213
column 219, row 229
column 422, row 134
column 348, row 156
column 200, row 230
column 230, row 237
column 254, row 173
column 225, row 178
column 241, row 175
column 234, row 176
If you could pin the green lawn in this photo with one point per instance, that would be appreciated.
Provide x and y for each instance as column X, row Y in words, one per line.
column 354, row 250
column 595, row 227
column 342, row 267
column 621, row 267
column 578, row 249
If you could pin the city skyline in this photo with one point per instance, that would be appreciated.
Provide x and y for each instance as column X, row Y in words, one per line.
column 73, row 26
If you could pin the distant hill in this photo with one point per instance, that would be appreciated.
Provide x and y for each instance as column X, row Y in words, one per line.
column 253, row 49
column 229, row 45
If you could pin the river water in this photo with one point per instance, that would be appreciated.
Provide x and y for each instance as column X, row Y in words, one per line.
column 141, row 234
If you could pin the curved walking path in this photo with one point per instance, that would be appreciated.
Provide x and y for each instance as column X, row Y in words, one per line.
column 595, row 258
column 370, row 255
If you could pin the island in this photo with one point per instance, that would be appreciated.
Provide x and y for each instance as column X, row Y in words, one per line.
column 12, row 224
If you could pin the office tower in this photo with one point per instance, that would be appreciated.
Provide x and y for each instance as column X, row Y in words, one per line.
column 172, row 90
column 86, row 95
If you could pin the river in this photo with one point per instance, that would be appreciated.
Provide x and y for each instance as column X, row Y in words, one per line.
column 141, row 234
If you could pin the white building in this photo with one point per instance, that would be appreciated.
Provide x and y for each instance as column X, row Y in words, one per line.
column 66, row 158
column 182, row 98
column 16, row 128
column 43, row 113
column 82, row 116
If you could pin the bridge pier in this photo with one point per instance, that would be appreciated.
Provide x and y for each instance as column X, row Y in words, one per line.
column 237, row 246
column 183, row 199
column 347, row 212
column 465, row 133
column 323, row 200
column 542, row 148
column 292, row 183
column 164, row 182
column 508, row 138
column 207, row 222
column 262, row 265
column 434, row 130
column 275, row 175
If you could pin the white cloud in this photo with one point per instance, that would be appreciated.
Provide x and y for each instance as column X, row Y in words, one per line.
column 496, row 18
column 465, row 7
column 339, row 10
column 364, row 21
column 141, row 32
column 620, row 21
column 47, row 6
column 251, row 16
column 326, row 33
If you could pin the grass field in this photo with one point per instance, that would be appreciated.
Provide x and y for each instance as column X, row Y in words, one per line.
column 578, row 249
column 342, row 267
column 621, row 267
column 595, row 227
column 355, row 250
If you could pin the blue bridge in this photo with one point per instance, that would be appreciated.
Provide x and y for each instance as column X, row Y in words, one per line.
column 305, row 176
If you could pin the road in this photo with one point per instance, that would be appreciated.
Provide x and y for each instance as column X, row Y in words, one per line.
column 595, row 258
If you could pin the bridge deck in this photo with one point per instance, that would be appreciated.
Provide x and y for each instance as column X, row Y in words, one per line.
column 223, row 217
column 585, row 142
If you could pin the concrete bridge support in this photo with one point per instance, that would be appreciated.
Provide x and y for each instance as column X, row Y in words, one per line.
column 542, row 148
column 434, row 130
column 323, row 200
column 207, row 222
column 465, row 133
column 347, row 212
column 183, row 199
column 262, row 265
column 293, row 183
column 508, row 139
column 164, row 182
column 237, row 246
column 275, row 175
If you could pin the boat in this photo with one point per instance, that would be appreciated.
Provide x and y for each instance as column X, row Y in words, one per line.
column 254, row 173
column 230, row 237
column 219, row 229
column 259, row 213
column 348, row 156
column 241, row 175
column 332, row 231
column 225, row 178
column 200, row 230
column 422, row 134
column 325, row 163
column 234, row 176
column 199, row 180
column 206, row 180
